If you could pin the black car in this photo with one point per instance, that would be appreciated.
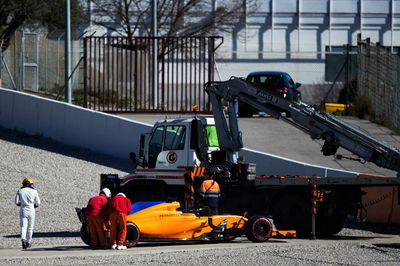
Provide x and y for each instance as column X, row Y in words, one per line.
column 274, row 81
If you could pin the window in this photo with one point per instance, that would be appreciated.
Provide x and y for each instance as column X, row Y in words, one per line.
column 268, row 80
column 210, row 136
column 155, row 145
column 290, row 80
column 175, row 138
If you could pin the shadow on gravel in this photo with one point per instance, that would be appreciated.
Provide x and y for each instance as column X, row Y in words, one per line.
column 391, row 245
column 61, row 234
column 188, row 243
column 375, row 228
column 60, row 248
column 46, row 144
column 143, row 245
column 346, row 238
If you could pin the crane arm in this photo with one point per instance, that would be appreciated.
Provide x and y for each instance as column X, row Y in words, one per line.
column 318, row 124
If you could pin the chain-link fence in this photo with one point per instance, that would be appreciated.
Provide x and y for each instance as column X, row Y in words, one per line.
column 379, row 81
column 34, row 61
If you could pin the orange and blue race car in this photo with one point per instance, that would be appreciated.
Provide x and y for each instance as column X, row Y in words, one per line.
column 158, row 221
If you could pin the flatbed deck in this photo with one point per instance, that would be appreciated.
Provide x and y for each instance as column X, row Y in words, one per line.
column 361, row 180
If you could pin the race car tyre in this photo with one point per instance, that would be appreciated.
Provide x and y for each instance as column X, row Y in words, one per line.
column 132, row 235
column 258, row 229
column 85, row 234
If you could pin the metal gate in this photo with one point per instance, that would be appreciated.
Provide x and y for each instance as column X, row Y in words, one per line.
column 29, row 72
column 122, row 75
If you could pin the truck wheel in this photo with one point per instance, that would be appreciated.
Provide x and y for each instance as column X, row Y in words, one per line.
column 85, row 234
column 292, row 212
column 258, row 229
column 132, row 235
column 332, row 224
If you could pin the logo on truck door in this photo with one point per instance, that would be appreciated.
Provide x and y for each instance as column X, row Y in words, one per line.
column 172, row 157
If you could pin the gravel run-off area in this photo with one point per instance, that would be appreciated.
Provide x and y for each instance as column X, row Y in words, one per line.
column 66, row 177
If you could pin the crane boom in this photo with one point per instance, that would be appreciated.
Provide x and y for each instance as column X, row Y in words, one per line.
column 318, row 124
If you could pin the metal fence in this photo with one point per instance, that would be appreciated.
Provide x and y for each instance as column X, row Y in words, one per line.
column 34, row 61
column 379, row 80
column 122, row 75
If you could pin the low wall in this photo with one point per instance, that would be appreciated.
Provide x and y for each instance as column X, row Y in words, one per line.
column 69, row 124
column 269, row 164
column 114, row 135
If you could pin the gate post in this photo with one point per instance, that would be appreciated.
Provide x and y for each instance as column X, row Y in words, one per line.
column 155, row 73
column 211, row 59
column 85, row 72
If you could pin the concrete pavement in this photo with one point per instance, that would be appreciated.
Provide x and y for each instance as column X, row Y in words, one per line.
column 274, row 136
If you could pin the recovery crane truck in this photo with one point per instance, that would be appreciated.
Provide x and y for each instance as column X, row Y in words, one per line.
column 175, row 154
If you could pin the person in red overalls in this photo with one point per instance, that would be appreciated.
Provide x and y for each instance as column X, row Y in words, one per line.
column 96, row 214
column 120, row 207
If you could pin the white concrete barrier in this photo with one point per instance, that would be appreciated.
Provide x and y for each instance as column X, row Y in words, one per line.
column 69, row 124
column 269, row 164
column 114, row 135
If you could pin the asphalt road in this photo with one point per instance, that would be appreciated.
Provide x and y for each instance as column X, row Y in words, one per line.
column 355, row 248
column 277, row 137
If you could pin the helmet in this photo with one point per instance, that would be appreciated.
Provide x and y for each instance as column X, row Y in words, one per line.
column 106, row 192
column 27, row 181
column 121, row 194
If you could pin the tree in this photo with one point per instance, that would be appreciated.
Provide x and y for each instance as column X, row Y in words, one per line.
column 175, row 17
column 35, row 13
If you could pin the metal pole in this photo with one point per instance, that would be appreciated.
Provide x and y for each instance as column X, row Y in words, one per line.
column 313, row 209
column 68, row 92
column 155, row 55
column 37, row 62
column 85, row 70
column 8, row 71
column 1, row 63
column 347, row 88
column 45, row 61
column 22, row 66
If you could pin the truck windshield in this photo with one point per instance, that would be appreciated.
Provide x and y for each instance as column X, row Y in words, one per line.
column 155, row 145
column 175, row 138
column 210, row 135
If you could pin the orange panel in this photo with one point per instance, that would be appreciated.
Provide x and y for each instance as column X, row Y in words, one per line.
column 382, row 205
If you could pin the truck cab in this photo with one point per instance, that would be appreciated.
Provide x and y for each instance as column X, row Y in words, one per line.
column 179, row 143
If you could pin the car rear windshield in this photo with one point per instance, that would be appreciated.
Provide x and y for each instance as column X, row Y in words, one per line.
column 272, row 80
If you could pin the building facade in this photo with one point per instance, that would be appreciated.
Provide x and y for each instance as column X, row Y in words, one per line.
column 295, row 35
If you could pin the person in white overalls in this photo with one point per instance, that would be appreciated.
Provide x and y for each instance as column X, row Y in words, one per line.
column 28, row 199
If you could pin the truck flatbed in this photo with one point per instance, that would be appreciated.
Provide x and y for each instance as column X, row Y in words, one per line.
column 361, row 180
